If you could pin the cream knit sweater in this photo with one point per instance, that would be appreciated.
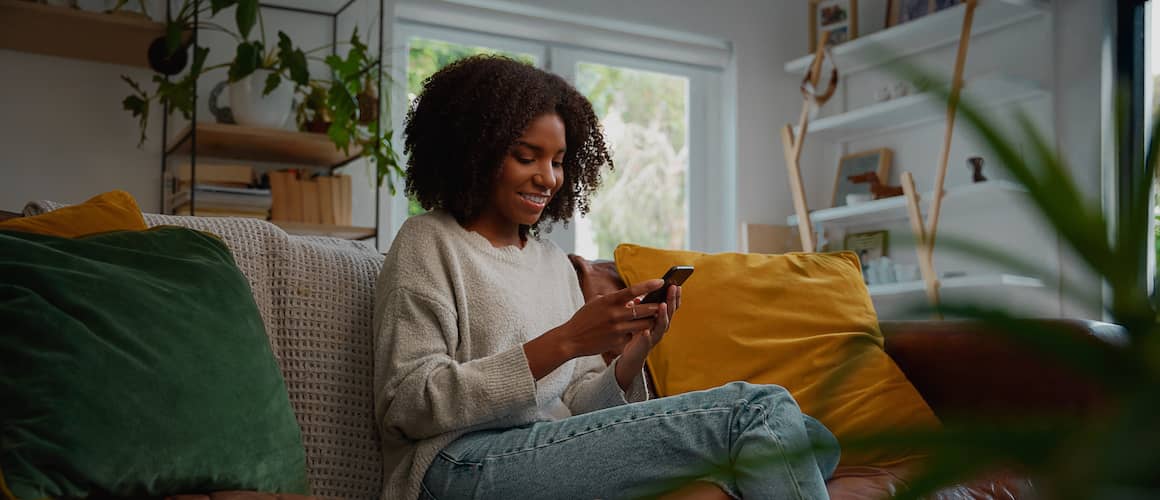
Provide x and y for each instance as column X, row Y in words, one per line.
column 452, row 313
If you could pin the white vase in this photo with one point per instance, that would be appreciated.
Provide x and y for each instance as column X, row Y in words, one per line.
column 252, row 109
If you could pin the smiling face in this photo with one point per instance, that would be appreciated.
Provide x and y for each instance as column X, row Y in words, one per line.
column 531, row 173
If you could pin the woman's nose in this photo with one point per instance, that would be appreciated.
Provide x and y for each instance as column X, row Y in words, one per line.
column 546, row 176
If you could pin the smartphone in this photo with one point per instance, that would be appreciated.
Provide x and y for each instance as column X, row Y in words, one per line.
column 675, row 276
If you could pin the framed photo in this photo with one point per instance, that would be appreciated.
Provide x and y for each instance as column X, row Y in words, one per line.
column 869, row 246
column 858, row 164
column 839, row 17
column 901, row 11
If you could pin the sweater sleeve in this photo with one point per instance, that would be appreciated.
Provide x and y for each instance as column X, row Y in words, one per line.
column 423, row 391
column 594, row 387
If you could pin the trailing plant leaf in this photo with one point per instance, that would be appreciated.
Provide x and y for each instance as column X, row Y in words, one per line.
column 137, row 104
column 273, row 80
column 199, row 57
column 292, row 60
column 173, row 34
column 248, row 59
column 219, row 5
column 246, row 15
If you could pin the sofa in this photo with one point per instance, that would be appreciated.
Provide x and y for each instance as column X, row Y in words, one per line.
column 315, row 296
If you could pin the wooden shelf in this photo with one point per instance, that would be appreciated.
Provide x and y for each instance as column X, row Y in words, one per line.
column 911, row 110
column 894, row 209
column 344, row 232
column 980, row 282
column 77, row 34
column 923, row 34
column 262, row 144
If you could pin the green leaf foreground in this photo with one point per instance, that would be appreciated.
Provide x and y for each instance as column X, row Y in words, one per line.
column 1112, row 453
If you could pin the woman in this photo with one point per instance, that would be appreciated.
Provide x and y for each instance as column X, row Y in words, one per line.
column 488, row 369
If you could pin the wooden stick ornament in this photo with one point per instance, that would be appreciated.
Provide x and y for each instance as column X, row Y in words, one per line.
column 792, row 146
column 926, row 234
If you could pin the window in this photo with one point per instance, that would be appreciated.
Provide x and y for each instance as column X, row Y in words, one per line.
column 645, row 117
column 646, row 107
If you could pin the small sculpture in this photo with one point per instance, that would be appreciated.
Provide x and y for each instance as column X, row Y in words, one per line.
column 877, row 188
column 976, row 164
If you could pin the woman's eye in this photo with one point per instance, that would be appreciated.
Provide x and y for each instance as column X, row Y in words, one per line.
column 557, row 164
column 525, row 161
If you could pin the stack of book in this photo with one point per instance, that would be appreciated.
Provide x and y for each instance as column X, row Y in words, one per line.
column 318, row 200
column 219, row 190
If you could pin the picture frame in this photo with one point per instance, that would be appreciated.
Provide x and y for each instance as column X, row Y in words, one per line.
column 901, row 11
column 874, row 160
column 839, row 17
column 869, row 246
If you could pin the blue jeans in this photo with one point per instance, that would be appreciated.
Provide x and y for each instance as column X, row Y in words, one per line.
column 751, row 440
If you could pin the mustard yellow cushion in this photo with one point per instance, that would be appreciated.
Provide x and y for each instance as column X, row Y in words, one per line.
column 803, row 321
column 111, row 211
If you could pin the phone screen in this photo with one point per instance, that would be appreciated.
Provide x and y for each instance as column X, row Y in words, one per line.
column 676, row 275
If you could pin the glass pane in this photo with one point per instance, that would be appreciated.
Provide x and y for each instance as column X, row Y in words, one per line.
column 1152, row 92
column 645, row 119
column 426, row 56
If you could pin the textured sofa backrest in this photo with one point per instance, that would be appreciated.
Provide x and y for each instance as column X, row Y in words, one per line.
column 316, row 298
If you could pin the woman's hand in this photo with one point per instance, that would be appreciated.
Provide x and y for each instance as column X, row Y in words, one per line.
column 633, row 357
column 605, row 323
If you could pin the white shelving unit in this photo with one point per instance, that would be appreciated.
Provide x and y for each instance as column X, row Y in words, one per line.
column 923, row 34
column 1012, row 293
column 949, row 285
column 983, row 284
column 991, row 90
column 888, row 210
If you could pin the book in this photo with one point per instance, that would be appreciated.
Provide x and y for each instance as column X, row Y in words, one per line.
column 343, row 216
column 281, row 182
column 258, row 200
column 294, row 212
column 326, row 211
column 216, row 173
column 309, row 190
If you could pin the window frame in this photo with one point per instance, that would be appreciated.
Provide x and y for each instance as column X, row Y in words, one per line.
column 711, row 191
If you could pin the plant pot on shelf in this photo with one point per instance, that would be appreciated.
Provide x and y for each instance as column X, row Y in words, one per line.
column 253, row 109
column 165, row 63
column 317, row 125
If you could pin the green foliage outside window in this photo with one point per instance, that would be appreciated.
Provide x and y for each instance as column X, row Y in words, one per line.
column 643, row 201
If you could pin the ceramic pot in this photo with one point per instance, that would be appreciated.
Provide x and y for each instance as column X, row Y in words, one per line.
column 252, row 109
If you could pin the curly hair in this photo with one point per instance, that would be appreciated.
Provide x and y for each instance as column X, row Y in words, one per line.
column 469, row 115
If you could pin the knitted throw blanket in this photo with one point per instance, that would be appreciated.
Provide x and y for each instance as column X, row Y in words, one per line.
column 316, row 297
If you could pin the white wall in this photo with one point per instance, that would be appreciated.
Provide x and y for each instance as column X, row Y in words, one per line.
column 64, row 136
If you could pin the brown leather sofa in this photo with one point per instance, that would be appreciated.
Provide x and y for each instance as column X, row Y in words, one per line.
column 962, row 371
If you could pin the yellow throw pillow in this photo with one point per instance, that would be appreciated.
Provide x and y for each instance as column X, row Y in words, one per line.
column 803, row 321
column 111, row 211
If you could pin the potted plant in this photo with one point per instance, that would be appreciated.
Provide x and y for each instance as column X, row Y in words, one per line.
column 264, row 78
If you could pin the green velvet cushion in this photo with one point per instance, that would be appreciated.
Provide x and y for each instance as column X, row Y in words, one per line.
column 135, row 364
